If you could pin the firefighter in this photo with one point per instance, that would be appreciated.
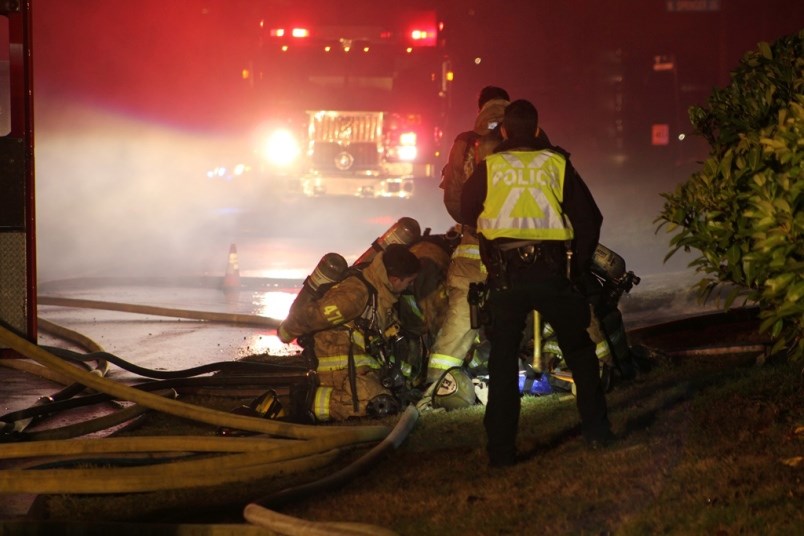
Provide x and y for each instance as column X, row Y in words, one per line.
column 422, row 311
column 344, row 332
column 538, row 225
column 456, row 337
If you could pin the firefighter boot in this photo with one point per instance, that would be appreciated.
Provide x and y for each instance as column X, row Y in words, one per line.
column 301, row 402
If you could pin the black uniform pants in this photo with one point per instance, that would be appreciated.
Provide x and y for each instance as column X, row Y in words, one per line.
column 567, row 311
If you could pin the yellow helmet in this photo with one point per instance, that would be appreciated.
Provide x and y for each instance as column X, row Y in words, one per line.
column 454, row 390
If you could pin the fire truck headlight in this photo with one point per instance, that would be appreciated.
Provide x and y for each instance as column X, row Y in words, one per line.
column 281, row 148
column 407, row 138
column 407, row 153
column 407, row 147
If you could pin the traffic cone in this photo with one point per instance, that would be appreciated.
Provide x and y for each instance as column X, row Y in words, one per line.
column 231, row 281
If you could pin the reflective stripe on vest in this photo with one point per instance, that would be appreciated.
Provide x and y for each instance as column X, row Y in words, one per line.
column 443, row 362
column 603, row 351
column 468, row 251
column 524, row 194
column 341, row 362
column 321, row 403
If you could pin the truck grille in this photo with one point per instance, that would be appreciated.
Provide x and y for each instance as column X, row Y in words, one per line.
column 356, row 134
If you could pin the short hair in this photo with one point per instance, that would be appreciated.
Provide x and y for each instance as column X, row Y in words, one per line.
column 521, row 119
column 400, row 262
column 490, row 93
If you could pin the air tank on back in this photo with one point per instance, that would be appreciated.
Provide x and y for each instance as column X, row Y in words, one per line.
column 406, row 231
column 330, row 269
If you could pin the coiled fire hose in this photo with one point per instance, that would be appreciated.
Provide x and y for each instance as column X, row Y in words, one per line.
column 319, row 439
column 46, row 402
column 258, row 513
column 15, row 423
column 392, row 441
column 292, row 526
column 319, row 448
column 172, row 407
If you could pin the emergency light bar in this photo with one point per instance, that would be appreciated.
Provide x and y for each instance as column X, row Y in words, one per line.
column 422, row 29
column 422, row 35
column 298, row 33
column 419, row 29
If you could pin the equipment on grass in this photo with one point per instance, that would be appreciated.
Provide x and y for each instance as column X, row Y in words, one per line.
column 608, row 280
column 454, row 390
column 609, row 269
column 266, row 405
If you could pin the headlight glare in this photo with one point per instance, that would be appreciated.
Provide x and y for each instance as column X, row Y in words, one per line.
column 281, row 148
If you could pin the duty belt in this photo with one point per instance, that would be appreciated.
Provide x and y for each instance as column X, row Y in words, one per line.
column 508, row 246
column 529, row 251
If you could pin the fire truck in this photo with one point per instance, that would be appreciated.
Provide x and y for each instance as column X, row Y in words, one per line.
column 348, row 98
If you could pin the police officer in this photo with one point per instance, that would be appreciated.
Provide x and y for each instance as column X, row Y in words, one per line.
column 538, row 225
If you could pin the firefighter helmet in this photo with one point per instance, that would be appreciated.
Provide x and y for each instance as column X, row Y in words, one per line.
column 454, row 390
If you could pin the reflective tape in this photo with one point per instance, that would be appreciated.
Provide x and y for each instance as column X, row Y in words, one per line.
column 321, row 403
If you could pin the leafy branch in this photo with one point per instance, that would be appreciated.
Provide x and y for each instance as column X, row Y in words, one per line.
column 742, row 209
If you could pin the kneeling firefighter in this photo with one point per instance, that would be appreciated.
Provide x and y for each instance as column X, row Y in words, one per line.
column 342, row 328
column 422, row 310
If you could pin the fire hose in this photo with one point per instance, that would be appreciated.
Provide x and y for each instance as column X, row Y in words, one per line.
column 330, row 437
column 232, row 318
column 392, row 440
column 260, row 512
column 180, row 409
column 319, row 448
column 16, row 422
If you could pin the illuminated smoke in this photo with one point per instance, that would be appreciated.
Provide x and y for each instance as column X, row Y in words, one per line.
column 122, row 189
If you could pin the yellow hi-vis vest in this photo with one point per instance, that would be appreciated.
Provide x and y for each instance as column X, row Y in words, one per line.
column 524, row 194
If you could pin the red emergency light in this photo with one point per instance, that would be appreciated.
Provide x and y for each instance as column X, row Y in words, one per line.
column 411, row 29
column 423, row 31
column 296, row 33
column 422, row 35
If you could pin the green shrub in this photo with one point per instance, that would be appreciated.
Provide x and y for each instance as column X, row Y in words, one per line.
column 742, row 210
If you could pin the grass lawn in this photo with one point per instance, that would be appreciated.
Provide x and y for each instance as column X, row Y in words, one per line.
column 709, row 443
